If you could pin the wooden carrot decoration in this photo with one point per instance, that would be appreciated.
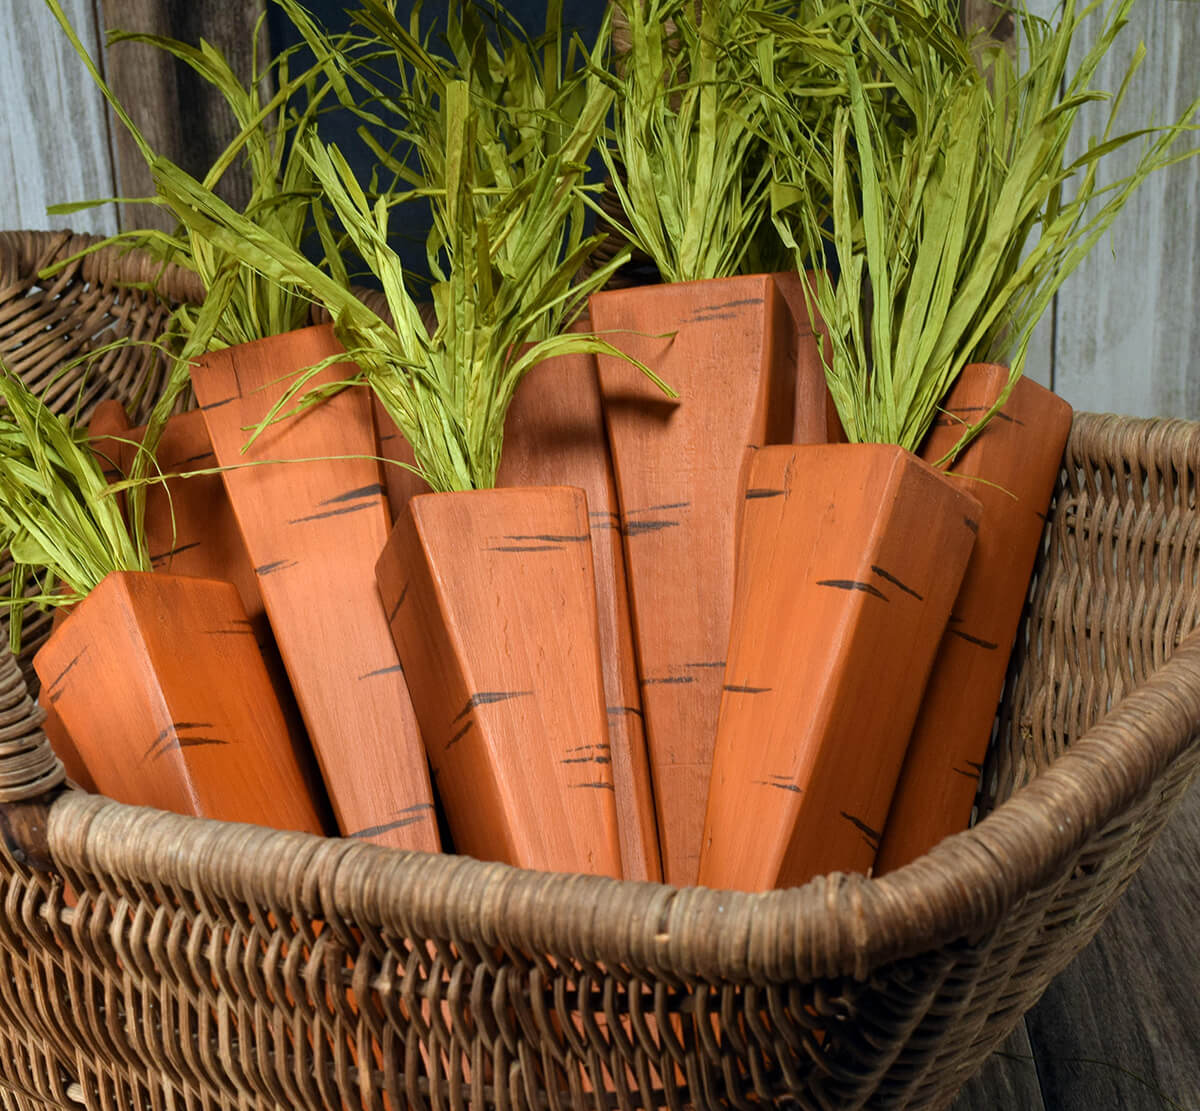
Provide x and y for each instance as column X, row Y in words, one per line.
column 314, row 529
column 850, row 558
column 492, row 601
column 726, row 347
column 1018, row 456
column 159, row 681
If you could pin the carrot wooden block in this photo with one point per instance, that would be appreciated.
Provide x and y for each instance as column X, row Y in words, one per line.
column 554, row 435
column 849, row 561
column 724, row 345
column 159, row 682
column 1018, row 456
column 314, row 529
column 816, row 420
column 56, row 731
column 492, row 602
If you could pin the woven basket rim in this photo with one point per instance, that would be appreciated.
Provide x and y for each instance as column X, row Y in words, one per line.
column 833, row 926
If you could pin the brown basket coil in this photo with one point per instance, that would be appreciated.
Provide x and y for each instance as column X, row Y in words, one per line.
column 149, row 960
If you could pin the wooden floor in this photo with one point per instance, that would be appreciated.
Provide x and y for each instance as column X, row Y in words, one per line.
column 1119, row 1030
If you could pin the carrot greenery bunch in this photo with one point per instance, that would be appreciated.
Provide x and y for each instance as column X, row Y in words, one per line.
column 953, row 231
column 505, row 177
column 57, row 516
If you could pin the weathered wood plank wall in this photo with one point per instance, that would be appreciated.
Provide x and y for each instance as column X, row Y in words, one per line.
column 1116, row 1029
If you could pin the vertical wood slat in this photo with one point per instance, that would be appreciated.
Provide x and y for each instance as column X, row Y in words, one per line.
column 181, row 116
column 54, row 138
column 1126, row 340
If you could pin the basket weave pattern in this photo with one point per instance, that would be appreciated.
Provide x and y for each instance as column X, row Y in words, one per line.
column 171, row 962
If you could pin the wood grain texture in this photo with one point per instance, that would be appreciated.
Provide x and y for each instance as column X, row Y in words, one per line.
column 1124, row 340
column 1011, row 469
column 159, row 682
column 849, row 560
column 54, row 137
column 314, row 529
column 1117, row 1028
column 724, row 346
column 492, row 603
column 179, row 114
column 1007, row 1082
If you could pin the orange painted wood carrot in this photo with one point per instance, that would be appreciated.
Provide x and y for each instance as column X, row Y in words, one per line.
column 491, row 597
column 816, row 419
column 159, row 682
column 554, row 435
column 849, row 560
column 56, row 730
column 314, row 528
column 1018, row 456
column 724, row 345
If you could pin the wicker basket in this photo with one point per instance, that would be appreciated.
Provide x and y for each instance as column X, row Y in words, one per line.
column 155, row 961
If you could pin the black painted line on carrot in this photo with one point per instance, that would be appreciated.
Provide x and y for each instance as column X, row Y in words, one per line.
column 972, row 776
column 731, row 304
column 460, row 734
column 599, row 786
column 604, row 513
column 62, row 674
column 707, row 663
column 896, row 582
column 399, row 603
column 870, row 834
column 852, row 584
column 972, row 524
column 174, row 551
column 972, row 764
column 373, row 490
column 737, row 688
column 389, row 436
column 333, row 512
column 275, row 565
column 668, row 680
column 990, row 646
column 782, row 786
column 588, row 748
column 587, row 760
column 624, row 710
column 638, row 528
column 486, row 698
column 390, row 670
column 194, row 742
column 756, row 492
column 698, row 319
column 169, row 737
column 527, row 548
column 192, row 459
column 659, row 508
column 375, row 831
column 553, row 538
column 229, row 632
column 217, row 404
column 614, row 525
column 1047, row 517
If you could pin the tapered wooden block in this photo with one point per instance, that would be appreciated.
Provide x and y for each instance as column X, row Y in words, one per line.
column 314, row 520
column 850, row 559
column 816, row 420
column 1018, row 457
column 725, row 346
column 159, row 682
column 56, row 731
column 491, row 597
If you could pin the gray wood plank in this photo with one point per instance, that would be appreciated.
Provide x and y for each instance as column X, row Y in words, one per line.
column 1008, row 1080
column 181, row 116
column 1126, row 340
column 1118, row 1028
column 54, row 140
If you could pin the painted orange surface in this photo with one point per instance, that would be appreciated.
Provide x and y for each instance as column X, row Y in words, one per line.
column 726, row 347
column 491, row 597
column 849, row 561
column 314, row 519
column 817, row 419
column 1019, row 456
column 159, row 682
